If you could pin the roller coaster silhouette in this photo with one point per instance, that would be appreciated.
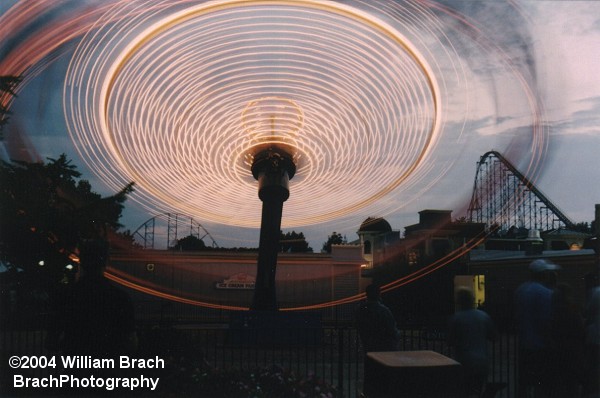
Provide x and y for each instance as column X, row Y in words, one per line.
column 502, row 196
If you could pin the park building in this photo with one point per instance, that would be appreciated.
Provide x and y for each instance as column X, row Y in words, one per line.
column 421, row 266
column 375, row 237
column 223, row 280
column 429, row 257
column 203, row 284
column 460, row 252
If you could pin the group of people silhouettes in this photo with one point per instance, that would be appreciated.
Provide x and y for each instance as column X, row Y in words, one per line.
column 469, row 331
column 559, row 343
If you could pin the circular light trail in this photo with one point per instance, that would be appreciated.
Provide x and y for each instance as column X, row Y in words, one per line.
column 182, row 106
column 124, row 68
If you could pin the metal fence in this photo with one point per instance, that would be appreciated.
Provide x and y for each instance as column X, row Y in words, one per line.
column 336, row 357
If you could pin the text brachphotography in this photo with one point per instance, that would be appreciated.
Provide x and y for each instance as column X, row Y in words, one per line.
column 71, row 381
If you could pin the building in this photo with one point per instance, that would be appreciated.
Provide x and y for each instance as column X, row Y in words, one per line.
column 375, row 237
column 224, row 280
column 417, row 271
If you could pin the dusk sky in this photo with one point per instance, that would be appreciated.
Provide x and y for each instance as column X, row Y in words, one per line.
column 389, row 120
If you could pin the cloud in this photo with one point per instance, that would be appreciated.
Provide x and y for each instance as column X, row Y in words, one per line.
column 585, row 119
column 552, row 45
column 595, row 26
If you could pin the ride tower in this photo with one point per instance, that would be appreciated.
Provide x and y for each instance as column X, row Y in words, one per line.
column 272, row 124
column 273, row 168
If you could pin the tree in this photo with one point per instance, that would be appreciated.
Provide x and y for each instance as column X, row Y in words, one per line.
column 189, row 243
column 46, row 209
column 583, row 227
column 124, row 240
column 294, row 242
column 333, row 239
column 7, row 90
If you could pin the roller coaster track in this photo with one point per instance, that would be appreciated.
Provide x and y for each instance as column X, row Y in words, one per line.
column 177, row 227
column 504, row 197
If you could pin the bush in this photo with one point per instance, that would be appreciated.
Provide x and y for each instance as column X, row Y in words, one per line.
column 271, row 382
column 187, row 373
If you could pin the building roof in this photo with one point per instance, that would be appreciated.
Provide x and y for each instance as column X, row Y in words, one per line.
column 567, row 233
column 375, row 224
column 479, row 255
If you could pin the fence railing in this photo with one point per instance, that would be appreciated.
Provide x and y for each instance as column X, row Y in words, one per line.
column 337, row 358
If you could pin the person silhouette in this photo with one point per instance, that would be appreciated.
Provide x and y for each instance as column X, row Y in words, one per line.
column 591, row 385
column 375, row 323
column 469, row 331
column 568, row 335
column 96, row 317
column 533, row 310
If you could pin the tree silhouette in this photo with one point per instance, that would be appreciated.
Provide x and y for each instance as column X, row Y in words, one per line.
column 7, row 91
column 333, row 239
column 294, row 243
column 189, row 243
column 585, row 227
column 46, row 209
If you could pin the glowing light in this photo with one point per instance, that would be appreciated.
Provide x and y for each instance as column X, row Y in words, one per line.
column 167, row 296
column 438, row 31
column 157, row 92
column 272, row 121
column 179, row 108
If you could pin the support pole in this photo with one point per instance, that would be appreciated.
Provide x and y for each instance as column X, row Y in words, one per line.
column 273, row 168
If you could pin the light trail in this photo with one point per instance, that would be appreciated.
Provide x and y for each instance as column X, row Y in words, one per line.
column 177, row 295
column 164, row 93
column 169, row 110
column 358, row 129
column 156, row 292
